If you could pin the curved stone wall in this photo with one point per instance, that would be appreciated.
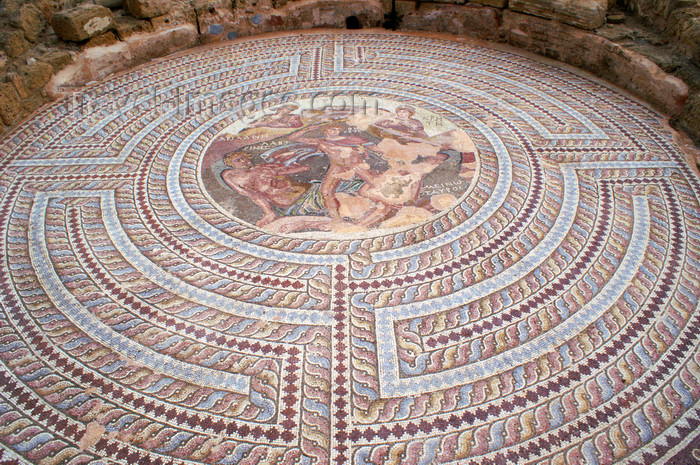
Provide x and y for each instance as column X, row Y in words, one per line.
column 51, row 47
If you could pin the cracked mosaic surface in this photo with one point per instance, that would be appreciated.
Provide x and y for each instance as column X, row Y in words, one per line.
column 506, row 271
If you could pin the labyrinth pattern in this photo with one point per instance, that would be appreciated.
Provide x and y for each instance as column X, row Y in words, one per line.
column 549, row 315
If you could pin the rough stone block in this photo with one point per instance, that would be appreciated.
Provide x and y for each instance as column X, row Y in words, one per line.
column 160, row 43
column 107, row 38
column 583, row 49
column 145, row 9
column 10, row 104
column 32, row 103
column 3, row 62
column 58, row 59
column 10, row 6
column 616, row 32
column 82, row 22
column 99, row 62
column 493, row 3
column 684, row 24
column 126, row 26
column 586, row 14
column 13, row 43
column 30, row 20
column 328, row 13
column 111, row 3
column 180, row 13
column 403, row 7
column 470, row 20
column 665, row 56
column 17, row 82
column 655, row 12
column 35, row 75
column 46, row 7
column 690, row 118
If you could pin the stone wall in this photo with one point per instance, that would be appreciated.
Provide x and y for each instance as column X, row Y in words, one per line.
column 677, row 18
column 648, row 47
column 645, row 55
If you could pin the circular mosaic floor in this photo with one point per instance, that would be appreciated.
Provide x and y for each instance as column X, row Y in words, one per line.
column 332, row 248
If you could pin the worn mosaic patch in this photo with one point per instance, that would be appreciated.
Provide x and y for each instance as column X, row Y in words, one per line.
column 365, row 248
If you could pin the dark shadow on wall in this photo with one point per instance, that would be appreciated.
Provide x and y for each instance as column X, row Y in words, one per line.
column 352, row 22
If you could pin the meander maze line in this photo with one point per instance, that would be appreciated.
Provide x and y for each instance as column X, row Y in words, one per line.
column 548, row 317
column 184, row 417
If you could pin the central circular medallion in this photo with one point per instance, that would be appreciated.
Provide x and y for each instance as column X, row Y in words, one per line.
column 342, row 165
